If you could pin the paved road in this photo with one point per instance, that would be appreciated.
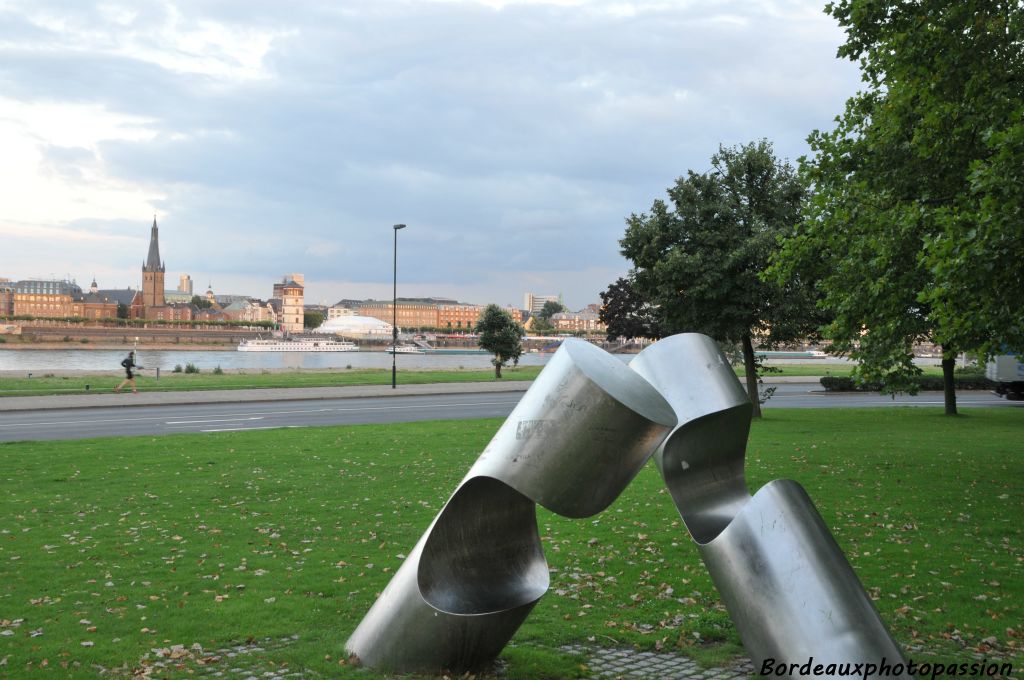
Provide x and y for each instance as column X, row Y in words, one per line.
column 232, row 417
column 232, row 413
column 803, row 395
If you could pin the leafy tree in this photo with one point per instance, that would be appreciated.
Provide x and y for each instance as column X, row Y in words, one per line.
column 312, row 319
column 550, row 308
column 915, row 229
column 626, row 314
column 200, row 302
column 698, row 263
column 541, row 325
column 542, row 319
column 122, row 310
column 500, row 335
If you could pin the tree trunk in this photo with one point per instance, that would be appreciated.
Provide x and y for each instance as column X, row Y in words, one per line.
column 497, row 368
column 751, row 371
column 948, row 388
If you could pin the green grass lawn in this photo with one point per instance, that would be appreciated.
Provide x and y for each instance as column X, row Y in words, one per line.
column 111, row 548
column 174, row 382
column 42, row 384
column 820, row 369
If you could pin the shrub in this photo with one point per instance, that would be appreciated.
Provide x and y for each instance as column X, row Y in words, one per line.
column 962, row 380
column 218, row 370
column 84, row 341
column 67, row 338
column 177, row 368
column 191, row 368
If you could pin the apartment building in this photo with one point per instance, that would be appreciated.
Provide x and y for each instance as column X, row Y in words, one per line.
column 535, row 303
column 458, row 316
column 409, row 313
column 585, row 321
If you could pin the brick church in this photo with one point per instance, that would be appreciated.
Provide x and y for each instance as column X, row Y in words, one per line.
column 153, row 300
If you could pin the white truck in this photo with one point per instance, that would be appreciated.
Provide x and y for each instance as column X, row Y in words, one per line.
column 1007, row 372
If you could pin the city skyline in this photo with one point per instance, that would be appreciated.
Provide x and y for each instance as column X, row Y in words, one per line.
column 269, row 139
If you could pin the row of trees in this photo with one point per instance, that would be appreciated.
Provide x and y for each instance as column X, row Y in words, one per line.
column 905, row 224
column 122, row 322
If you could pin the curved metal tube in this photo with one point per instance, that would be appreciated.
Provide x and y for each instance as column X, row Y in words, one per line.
column 787, row 585
column 579, row 435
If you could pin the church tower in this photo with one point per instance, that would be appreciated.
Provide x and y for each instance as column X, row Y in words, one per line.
column 153, row 273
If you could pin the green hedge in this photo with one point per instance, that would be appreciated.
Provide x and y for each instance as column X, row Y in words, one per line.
column 962, row 380
column 109, row 322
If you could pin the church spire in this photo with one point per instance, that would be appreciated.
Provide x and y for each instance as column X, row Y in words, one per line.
column 153, row 263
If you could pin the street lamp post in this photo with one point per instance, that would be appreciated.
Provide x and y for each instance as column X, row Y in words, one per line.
column 394, row 314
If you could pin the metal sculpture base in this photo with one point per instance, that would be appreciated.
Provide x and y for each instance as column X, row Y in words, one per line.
column 783, row 578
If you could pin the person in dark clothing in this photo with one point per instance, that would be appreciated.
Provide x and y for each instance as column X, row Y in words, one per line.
column 128, row 363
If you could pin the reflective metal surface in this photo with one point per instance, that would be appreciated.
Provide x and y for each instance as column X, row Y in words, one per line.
column 579, row 435
column 786, row 583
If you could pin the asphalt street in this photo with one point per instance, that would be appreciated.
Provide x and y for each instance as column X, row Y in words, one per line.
column 235, row 416
column 229, row 415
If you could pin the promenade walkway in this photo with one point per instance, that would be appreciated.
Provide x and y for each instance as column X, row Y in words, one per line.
column 107, row 398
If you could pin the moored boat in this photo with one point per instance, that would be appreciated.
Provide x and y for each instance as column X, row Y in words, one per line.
column 297, row 345
column 405, row 349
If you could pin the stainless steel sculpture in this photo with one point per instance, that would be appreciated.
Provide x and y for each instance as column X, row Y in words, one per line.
column 785, row 581
column 576, row 439
column 579, row 435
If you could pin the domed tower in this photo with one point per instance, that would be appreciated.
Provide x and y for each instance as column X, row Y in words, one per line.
column 153, row 273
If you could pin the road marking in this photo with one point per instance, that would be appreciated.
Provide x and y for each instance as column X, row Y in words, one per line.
column 411, row 407
column 77, row 422
column 245, row 429
column 213, row 420
column 261, row 413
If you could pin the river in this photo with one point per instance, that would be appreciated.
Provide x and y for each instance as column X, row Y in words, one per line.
column 55, row 360
column 59, row 360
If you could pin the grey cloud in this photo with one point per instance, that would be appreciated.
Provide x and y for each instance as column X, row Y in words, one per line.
column 513, row 139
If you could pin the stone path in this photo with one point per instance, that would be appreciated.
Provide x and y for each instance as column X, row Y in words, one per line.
column 233, row 662
column 238, row 663
column 630, row 664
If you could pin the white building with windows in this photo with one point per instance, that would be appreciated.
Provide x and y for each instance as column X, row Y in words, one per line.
column 534, row 303
column 356, row 327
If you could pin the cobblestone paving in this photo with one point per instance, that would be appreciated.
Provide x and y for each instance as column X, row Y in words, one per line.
column 629, row 664
column 238, row 663
column 235, row 662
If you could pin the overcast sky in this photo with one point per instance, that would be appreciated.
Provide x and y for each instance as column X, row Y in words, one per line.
column 513, row 137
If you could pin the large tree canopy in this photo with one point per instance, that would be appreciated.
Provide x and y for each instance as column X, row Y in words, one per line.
column 698, row 262
column 914, row 230
column 626, row 314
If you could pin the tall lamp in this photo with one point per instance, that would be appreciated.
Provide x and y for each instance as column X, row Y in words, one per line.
column 394, row 314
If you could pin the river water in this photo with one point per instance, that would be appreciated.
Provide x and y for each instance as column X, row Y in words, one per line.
column 57, row 360
column 45, row 360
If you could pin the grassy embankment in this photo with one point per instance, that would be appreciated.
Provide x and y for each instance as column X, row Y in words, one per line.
column 110, row 548
column 41, row 384
column 206, row 380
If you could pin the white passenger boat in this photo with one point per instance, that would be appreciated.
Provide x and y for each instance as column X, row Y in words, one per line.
column 297, row 345
column 405, row 349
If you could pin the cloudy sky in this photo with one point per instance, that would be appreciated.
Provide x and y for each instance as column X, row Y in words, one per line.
column 512, row 136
